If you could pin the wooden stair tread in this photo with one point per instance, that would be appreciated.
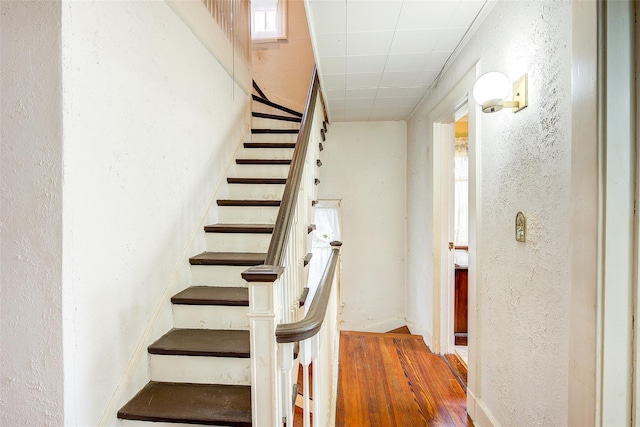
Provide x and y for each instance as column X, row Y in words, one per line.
column 274, row 131
column 213, row 295
column 203, row 342
column 248, row 202
column 247, row 259
column 260, row 92
column 239, row 228
column 276, row 117
column 209, row 404
column 269, row 145
column 263, row 161
column 277, row 106
column 277, row 181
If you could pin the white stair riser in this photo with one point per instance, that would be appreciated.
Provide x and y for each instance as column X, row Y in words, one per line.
column 254, row 191
column 263, row 123
column 134, row 423
column 274, row 137
column 265, row 153
column 247, row 214
column 237, row 242
column 210, row 317
column 200, row 369
column 259, row 171
column 217, row 275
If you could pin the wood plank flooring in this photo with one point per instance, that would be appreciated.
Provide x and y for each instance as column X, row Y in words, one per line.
column 395, row 380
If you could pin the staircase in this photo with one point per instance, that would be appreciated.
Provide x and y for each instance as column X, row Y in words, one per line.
column 200, row 370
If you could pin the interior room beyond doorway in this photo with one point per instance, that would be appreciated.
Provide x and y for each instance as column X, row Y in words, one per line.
column 461, row 236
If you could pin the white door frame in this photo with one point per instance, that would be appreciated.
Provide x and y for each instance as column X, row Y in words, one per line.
column 443, row 271
column 442, row 118
column 616, row 361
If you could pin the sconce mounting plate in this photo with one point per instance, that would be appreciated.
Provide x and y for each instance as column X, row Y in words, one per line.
column 520, row 93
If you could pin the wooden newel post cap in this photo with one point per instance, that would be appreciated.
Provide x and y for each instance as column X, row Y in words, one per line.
column 262, row 273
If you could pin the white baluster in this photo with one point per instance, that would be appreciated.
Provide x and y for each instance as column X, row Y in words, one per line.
column 286, row 369
column 305, row 360
column 318, row 374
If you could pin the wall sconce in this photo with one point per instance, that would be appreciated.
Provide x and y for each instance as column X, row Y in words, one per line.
column 492, row 88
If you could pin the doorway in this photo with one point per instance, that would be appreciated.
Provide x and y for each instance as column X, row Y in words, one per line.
column 456, row 105
column 461, row 233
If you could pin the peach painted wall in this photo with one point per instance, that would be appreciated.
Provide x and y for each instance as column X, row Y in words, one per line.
column 283, row 69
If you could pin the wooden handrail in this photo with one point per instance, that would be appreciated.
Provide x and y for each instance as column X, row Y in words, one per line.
column 311, row 324
column 290, row 196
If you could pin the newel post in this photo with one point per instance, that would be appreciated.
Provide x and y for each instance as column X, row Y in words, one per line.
column 264, row 309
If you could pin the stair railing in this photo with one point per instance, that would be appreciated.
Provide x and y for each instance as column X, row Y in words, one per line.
column 276, row 290
column 318, row 336
column 233, row 17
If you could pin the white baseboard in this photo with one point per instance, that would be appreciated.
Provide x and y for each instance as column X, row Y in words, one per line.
column 479, row 413
column 421, row 330
column 381, row 327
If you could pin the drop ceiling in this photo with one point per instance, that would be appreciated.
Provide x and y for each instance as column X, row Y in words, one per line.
column 377, row 59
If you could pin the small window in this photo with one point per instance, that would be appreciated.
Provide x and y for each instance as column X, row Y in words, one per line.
column 268, row 20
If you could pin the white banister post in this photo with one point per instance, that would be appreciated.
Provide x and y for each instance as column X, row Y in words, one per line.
column 264, row 309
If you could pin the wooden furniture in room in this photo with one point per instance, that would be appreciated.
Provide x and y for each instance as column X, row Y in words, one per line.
column 460, row 308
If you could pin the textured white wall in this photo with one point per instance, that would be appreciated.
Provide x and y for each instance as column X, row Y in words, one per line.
column 150, row 122
column 419, row 295
column 523, row 290
column 31, row 381
column 364, row 166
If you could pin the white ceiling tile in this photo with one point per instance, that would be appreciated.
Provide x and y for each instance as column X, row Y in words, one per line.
column 372, row 15
column 359, row 103
column 333, row 64
column 426, row 77
column 336, row 116
column 404, row 111
column 406, row 62
column 333, row 81
column 335, row 94
column 397, row 92
column 331, row 44
column 369, row 43
column 426, row 14
column 466, row 12
column 378, row 58
column 399, row 79
column 390, row 113
column 337, row 108
column 336, row 105
column 361, row 93
column 366, row 63
column 414, row 41
column 363, row 80
column 357, row 114
column 449, row 39
column 356, row 118
column 396, row 102
column 384, row 115
column 436, row 60
column 328, row 16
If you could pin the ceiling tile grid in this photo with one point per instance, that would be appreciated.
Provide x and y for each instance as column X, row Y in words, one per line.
column 378, row 58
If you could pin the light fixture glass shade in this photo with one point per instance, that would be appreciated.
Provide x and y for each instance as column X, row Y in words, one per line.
column 491, row 86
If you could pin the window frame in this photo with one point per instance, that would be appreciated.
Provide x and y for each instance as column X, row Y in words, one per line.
column 281, row 24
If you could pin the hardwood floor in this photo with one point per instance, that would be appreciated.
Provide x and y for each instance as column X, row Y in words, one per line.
column 395, row 380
